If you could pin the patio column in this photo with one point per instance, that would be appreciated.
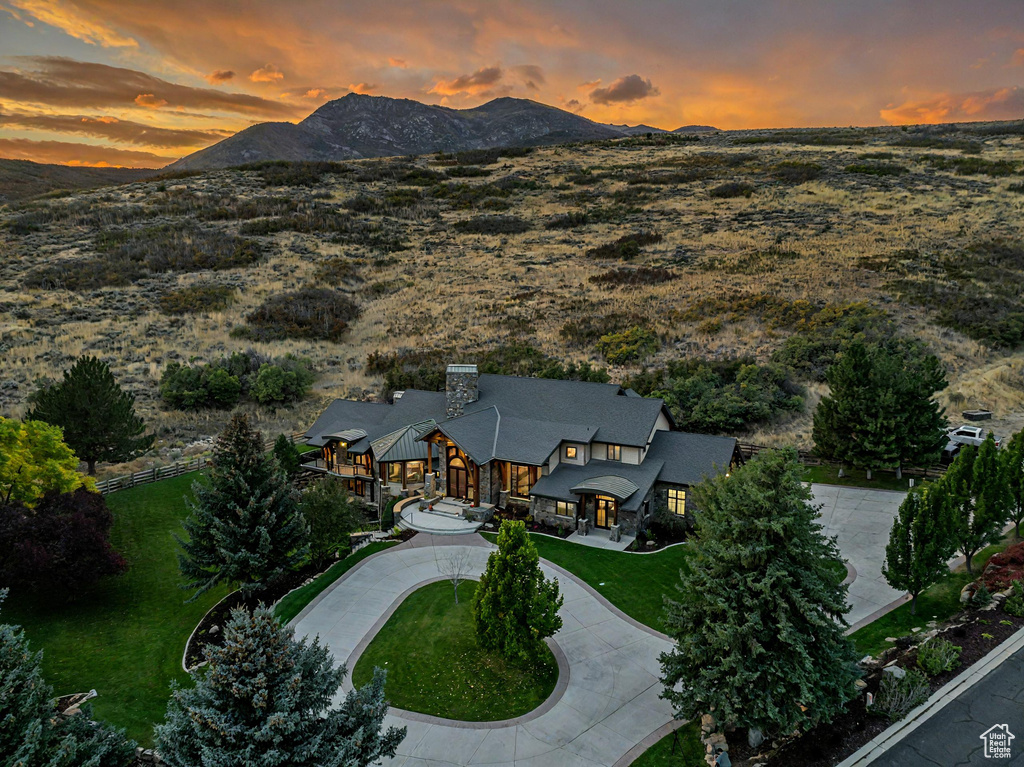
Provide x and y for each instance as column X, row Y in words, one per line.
column 430, row 457
column 476, row 485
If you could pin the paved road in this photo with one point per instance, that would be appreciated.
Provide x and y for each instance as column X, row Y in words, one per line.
column 610, row 702
column 952, row 737
column 861, row 519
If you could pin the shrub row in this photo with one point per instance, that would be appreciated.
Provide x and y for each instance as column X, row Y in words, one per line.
column 244, row 375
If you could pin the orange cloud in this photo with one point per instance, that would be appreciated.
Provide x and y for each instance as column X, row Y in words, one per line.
column 75, row 22
column 625, row 90
column 314, row 93
column 149, row 101
column 1018, row 57
column 480, row 82
column 68, row 153
column 268, row 74
column 363, row 88
column 218, row 76
column 995, row 104
column 113, row 129
column 397, row 63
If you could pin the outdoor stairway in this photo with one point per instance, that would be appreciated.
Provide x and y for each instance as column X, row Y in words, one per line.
column 446, row 518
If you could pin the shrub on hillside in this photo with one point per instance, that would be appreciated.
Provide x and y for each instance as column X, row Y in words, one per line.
column 570, row 220
column 196, row 298
column 493, row 225
column 222, row 384
column 795, row 172
column 626, row 247
column 644, row 275
column 312, row 313
column 731, row 189
column 876, row 169
column 62, row 546
column 630, row 345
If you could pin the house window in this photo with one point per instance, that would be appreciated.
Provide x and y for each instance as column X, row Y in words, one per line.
column 414, row 472
column 358, row 487
column 394, row 473
column 522, row 479
column 677, row 501
column 570, row 453
column 614, row 452
column 565, row 509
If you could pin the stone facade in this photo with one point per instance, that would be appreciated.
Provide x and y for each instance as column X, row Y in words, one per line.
column 660, row 501
column 461, row 388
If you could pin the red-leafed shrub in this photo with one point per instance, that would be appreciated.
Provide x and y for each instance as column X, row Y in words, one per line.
column 62, row 545
column 1004, row 568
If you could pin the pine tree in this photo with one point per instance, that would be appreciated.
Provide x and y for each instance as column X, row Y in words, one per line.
column 881, row 413
column 758, row 625
column 331, row 517
column 920, row 543
column 265, row 700
column 1012, row 459
column 977, row 494
column 515, row 607
column 243, row 526
column 287, row 455
column 97, row 416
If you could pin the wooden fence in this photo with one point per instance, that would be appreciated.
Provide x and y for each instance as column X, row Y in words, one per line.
column 158, row 473
column 807, row 458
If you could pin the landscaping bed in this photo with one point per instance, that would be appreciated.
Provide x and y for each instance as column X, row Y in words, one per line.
column 436, row 666
column 976, row 632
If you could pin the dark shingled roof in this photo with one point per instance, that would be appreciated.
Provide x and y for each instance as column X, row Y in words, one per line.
column 689, row 458
column 559, row 483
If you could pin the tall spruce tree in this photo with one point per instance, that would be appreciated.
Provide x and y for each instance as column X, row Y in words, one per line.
column 97, row 415
column 920, row 543
column 977, row 495
column 758, row 624
column 244, row 526
column 1012, row 458
column 881, row 413
column 265, row 700
column 515, row 607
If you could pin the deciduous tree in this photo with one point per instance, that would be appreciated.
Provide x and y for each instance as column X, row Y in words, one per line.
column 287, row 455
column 244, row 526
column 978, row 500
column 920, row 543
column 34, row 460
column 331, row 516
column 1012, row 458
column 515, row 607
column 265, row 700
column 97, row 415
column 758, row 623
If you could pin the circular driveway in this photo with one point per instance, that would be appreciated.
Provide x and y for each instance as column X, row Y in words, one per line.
column 610, row 701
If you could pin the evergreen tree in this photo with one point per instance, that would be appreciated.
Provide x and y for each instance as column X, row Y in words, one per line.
column 920, row 543
column 265, row 700
column 287, row 456
column 97, row 416
column 331, row 517
column 880, row 413
column 30, row 733
column 243, row 525
column 758, row 625
column 978, row 499
column 1012, row 459
column 515, row 607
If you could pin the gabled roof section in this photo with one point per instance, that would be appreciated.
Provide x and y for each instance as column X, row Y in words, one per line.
column 689, row 458
column 561, row 483
column 343, row 414
column 474, row 433
column 348, row 435
column 403, row 444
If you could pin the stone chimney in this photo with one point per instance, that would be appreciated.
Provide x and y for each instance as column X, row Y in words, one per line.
column 460, row 388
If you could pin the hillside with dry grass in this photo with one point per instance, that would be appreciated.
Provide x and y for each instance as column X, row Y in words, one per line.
column 714, row 246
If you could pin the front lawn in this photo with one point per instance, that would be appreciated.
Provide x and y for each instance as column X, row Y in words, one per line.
column 126, row 638
column 681, row 748
column 635, row 583
column 882, row 480
column 435, row 666
column 938, row 603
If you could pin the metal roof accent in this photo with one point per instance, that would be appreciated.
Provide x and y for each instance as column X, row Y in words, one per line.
column 349, row 435
column 619, row 488
column 403, row 444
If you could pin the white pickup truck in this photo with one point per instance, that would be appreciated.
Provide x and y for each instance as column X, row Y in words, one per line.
column 968, row 435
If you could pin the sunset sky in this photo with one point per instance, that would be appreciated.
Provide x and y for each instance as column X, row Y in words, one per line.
column 141, row 83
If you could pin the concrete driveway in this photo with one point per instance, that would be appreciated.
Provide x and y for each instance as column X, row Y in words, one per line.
column 861, row 519
column 606, row 704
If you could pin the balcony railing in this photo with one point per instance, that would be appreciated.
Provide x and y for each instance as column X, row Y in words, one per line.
column 341, row 469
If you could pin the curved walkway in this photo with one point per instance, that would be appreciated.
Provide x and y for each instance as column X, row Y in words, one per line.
column 610, row 702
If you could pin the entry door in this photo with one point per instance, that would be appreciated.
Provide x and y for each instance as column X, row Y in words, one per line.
column 458, row 479
column 606, row 512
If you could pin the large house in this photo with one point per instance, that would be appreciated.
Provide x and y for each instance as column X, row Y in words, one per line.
column 570, row 450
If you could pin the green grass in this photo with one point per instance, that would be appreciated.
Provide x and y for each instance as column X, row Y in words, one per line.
column 435, row 665
column 939, row 602
column 293, row 603
column 829, row 475
column 635, row 583
column 126, row 638
column 670, row 751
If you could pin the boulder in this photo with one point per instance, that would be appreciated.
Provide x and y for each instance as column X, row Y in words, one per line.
column 895, row 671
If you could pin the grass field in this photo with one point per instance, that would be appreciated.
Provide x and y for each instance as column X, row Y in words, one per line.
column 635, row 583
column 677, row 749
column 126, row 638
column 435, row 665
column 829, row 475
column 292, row 604
column 936, row 603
